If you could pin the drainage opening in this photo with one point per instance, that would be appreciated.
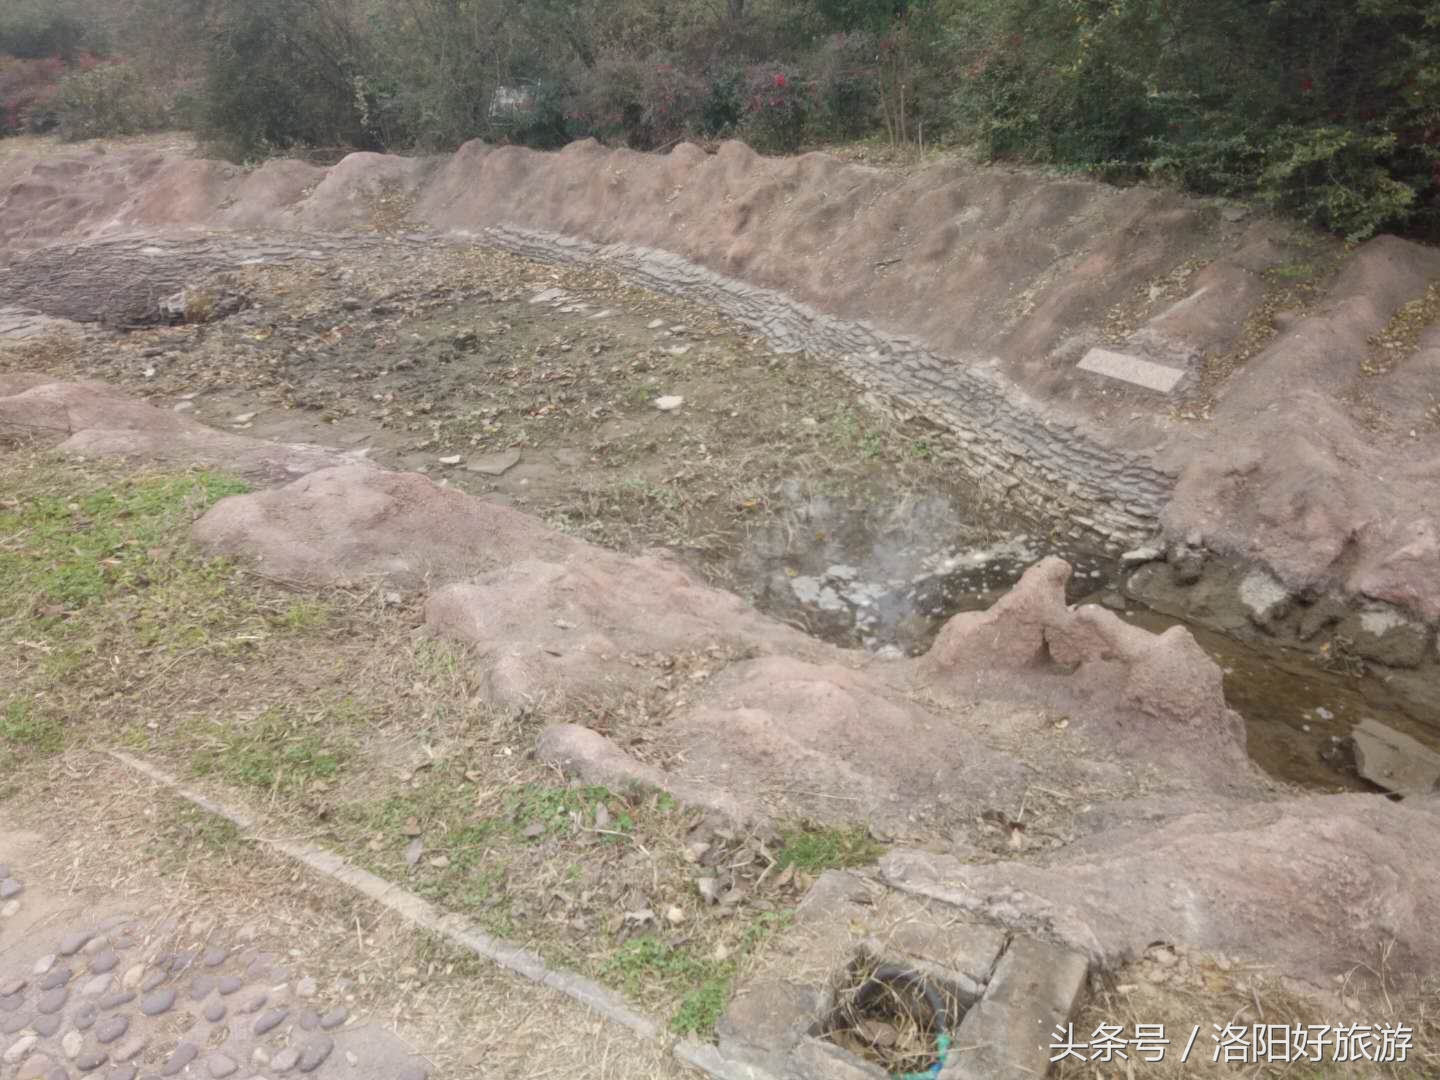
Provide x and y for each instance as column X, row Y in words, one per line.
column 894, row 1016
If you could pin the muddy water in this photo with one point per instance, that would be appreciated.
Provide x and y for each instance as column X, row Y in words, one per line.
column 885, row 576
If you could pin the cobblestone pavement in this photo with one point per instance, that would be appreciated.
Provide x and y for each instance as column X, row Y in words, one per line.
column 139, row 996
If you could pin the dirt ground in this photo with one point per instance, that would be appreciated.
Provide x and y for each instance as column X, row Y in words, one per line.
column 440, row 361
column 330, row 715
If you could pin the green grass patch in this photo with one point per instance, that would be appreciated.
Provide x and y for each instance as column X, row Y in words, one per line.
column 27, row 730
column 67, row 552
column 25, row 726
column 700, row 1010
column 183, row 832
column 816, row 848
column 273, row 752
column 644, row 965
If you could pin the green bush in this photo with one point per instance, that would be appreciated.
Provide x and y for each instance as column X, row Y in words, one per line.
column 1329, row 111
column 281, row 75
column 846, row 74
column 104, row 102
column 723, row 107
column 35, row 31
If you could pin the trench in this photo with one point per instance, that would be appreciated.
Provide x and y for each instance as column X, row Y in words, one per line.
column 884, row 577
column 874, row 573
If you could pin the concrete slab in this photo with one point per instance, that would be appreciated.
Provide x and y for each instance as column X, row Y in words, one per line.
column 1132, row 369
column 772, row 1024
column 1008, row 1034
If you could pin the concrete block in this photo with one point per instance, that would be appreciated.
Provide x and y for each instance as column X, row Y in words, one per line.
column 1007, row 1035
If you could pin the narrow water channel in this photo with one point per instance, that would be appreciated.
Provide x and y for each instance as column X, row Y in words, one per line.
column 885, row 577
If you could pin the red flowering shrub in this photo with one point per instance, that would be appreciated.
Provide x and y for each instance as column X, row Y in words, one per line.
column 779, row 107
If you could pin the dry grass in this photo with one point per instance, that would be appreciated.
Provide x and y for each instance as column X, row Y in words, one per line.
column 895, row 1022
column 116, row 842
column 1193, row 990
column 331, row 715
column 1400, row 338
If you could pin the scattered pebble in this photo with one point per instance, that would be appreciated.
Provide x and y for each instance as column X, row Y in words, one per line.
column 669, row 403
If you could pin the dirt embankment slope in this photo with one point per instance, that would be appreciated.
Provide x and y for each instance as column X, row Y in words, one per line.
column 1122, row 358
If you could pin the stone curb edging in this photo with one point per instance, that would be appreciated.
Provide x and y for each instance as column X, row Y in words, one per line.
column 418, row 912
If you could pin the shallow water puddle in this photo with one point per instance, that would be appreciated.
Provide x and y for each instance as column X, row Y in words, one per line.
column 886, row 577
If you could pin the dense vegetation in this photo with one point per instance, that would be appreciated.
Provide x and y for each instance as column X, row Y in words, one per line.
column 1329, row 110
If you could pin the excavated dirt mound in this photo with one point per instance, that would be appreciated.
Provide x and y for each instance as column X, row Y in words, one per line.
column 89, row 419
column 1075, row 762
column 727, row 698
column 1286, row 445
column 343, row 526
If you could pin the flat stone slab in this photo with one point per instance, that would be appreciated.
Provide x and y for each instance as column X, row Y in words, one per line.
column 768, row 1029
column 1007, row 1035
column 494, row 464
column 1393, row 760
column 1132, row 369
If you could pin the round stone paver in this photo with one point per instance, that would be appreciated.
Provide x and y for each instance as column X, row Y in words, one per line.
column 133, row 977
column 285, row 1060
column 220, row 1065
column 9, row 1002
column 334, row 1018
column 309, row 1019
column 121, row 1072
column 268, row 1021
column 131, row 1047
column 85, row 1016
column 91, row 1060
column 229, row 984
column 19, row 1048
column 116, row 998
column 158, row 1002
column 152, row 980
column 102, row 963
column 11, row 987
column 201, row 987
column 73, row 942
column 47, row 1025
column 72, row 1044
column 111, row 1028
column 255, row 1004
column 44, row 964
column 215, row 956
column 52, row 1001
column 182, row 1056
column 215, row 1012
column 10, row 888
column 314, row 1053
column 97, row 985
column 59, row 976
column 36, row 1066
column 306, row 988
column 9, row 1025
